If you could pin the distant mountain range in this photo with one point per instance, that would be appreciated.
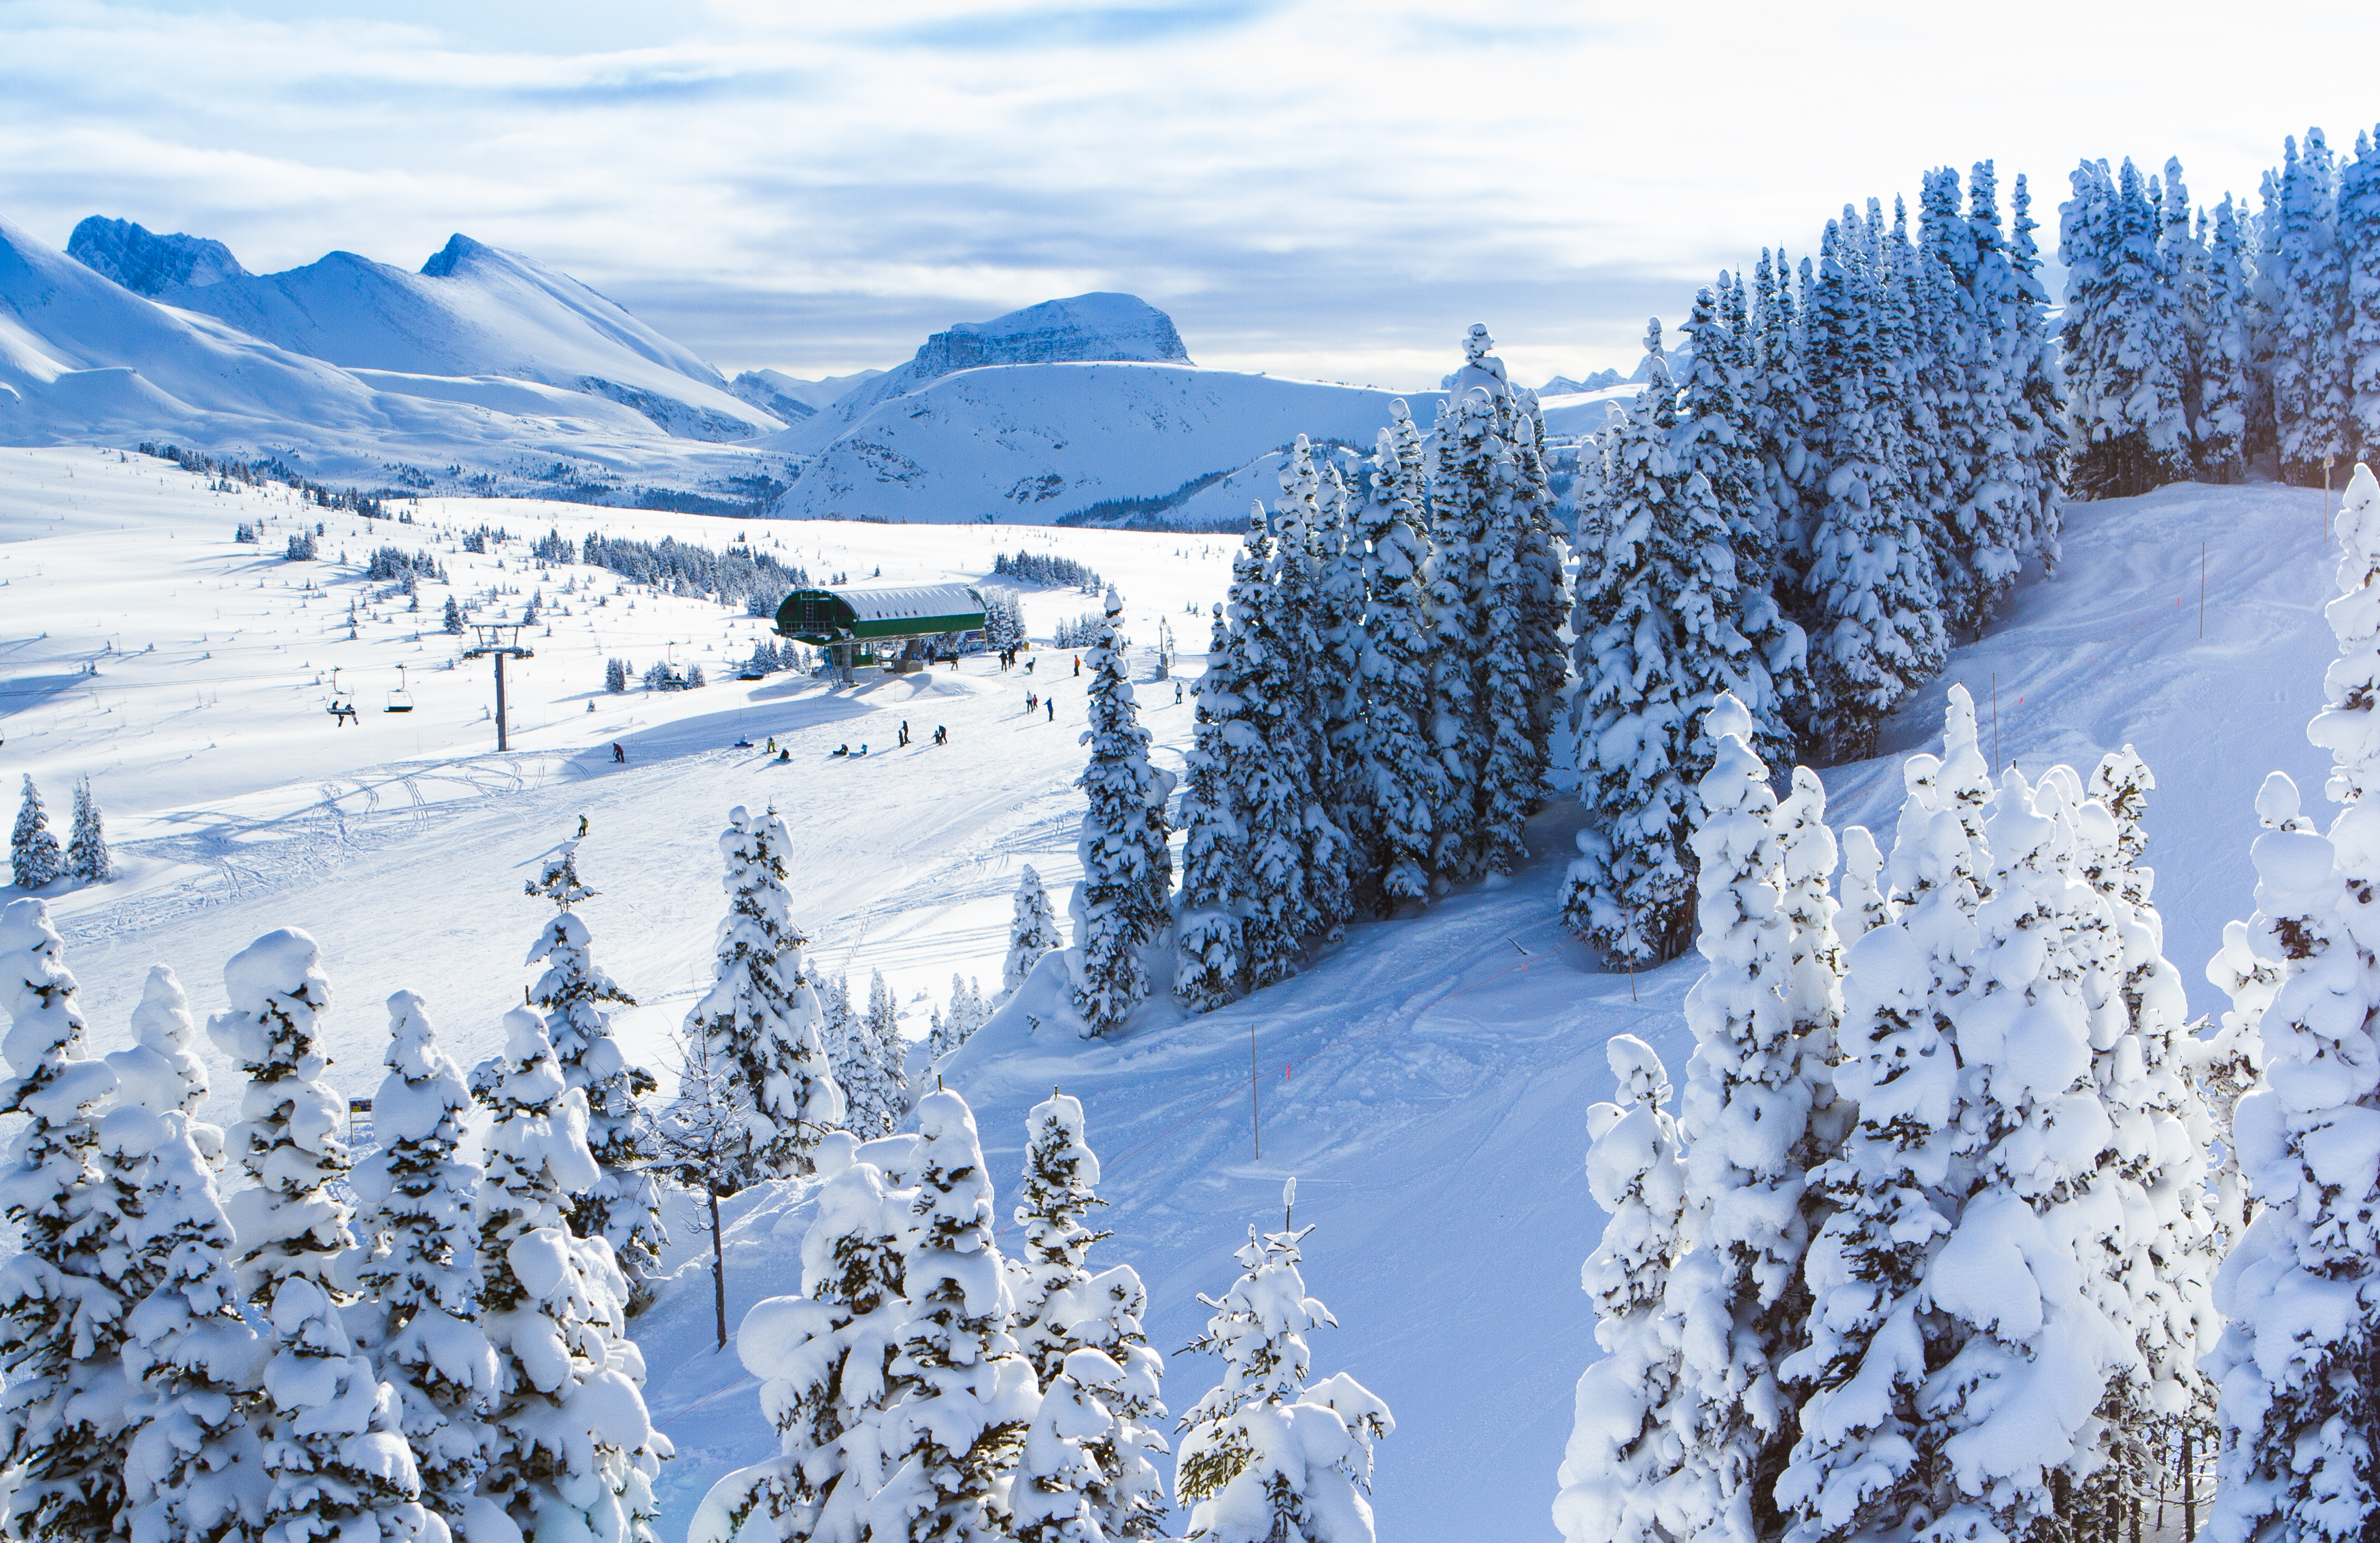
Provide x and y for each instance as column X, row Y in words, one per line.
column 488, row 371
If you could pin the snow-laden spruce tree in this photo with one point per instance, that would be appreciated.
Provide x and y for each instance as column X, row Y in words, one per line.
column 623, row 1205
column 1751, row 1092
column 1062, row 1309
column 33, row 856
column 2298, row 1461
column 62, row 1298
column 1853, row 1468
column 1462, row 490
column 194, row 1467
column 2358, row 240
column 1296, row 703
column 88, row 858
column 1867, row 595
column 821, row 1358
column 2311, row 390
column 2164, row 1122
column 420, row 1265
column 1714, row 439
column 572, row 1454
column 762, row 1017
column 957, row 1024
column 1619, row 1471
column 1266, row 1456
column 1262, row 779
column 157, row 1074
column 1406, row 780
column 1049, row 1496
column 2227, row 386
column 871, row 1063
column 334, row 1448
column 965, row 1393
column 1032, row 932
column 1121, row 904
column 1340, row 785
column 1657, row 644
column 1987, row 1292
column 1208, row 962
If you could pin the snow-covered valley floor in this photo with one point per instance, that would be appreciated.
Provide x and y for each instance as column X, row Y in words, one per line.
column 1425, row 1079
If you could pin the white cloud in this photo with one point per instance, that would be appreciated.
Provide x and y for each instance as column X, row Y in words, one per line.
column 1322, row 187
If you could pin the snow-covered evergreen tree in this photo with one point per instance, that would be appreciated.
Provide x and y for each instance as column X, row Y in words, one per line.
column 1462, row 495
column 333, row 1448
column 1049, row 1496
column 1301, row 701
column 2227, row 390
column 194, row 1468
column 762, row 1017
column 1656, row 645
column 1999, row 1307
column 88, row 858
column 1752, row 1125
column 965, row 1394
column 2312, row 405
column 1262, row 780
column 872, row 1064
column 821, row 1358
column 1868, row 599
column 623, row 1205
column 62, row 1298
column 1714, row 439
column 1207, row 962
column 573, row 1453
column 1126, row 889
column 1266, row 1456
column 958, row 1021
column 2357, row 222
column 2297, row 1460
column 420, row 1269
column 1062, row 1309
column 33, row 856
column 1032, row 932
column 1406, row 778
column 1619, row 1471
column 2036, row 383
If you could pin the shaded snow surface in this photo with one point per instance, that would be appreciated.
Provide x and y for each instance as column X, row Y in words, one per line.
column 1437, row 1069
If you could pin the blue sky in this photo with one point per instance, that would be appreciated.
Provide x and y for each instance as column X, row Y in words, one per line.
column 1327, row 188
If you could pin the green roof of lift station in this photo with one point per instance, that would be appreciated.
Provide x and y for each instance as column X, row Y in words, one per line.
column 872, row 612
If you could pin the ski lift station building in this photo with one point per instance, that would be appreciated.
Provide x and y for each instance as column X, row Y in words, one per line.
column 874, row 617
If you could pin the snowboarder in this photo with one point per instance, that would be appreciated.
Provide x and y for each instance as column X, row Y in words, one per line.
column 1032, row 703
column 1028, row 666
column 843, row 749
column 941, row 734
column 1053, row 705
column 785, row 756
column 1177, row 693
column 619, row 755
column 772, row 744
column 1078, row 666
column 582, row 827
column 905, row 734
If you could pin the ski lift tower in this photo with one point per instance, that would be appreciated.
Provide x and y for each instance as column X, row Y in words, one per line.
column 499, row 640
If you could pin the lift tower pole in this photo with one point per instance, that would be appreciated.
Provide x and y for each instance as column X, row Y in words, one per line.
column 498, row 640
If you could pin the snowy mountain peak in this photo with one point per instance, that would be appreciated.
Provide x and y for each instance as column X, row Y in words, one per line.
column 459, row 249
column 1097, row 328
column 146, row 263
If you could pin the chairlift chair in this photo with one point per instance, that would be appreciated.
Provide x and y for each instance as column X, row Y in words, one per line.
column 400, row 699
column 343, row 702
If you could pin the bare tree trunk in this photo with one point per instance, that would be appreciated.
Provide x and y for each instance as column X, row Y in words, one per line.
column 718, row 1269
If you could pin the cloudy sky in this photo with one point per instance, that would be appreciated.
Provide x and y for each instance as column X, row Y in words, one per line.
column 1326, row 188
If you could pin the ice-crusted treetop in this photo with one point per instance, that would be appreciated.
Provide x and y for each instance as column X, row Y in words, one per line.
column 160, row 1072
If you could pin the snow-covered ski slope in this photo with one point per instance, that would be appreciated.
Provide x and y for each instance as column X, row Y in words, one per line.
column 1425, row 1079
